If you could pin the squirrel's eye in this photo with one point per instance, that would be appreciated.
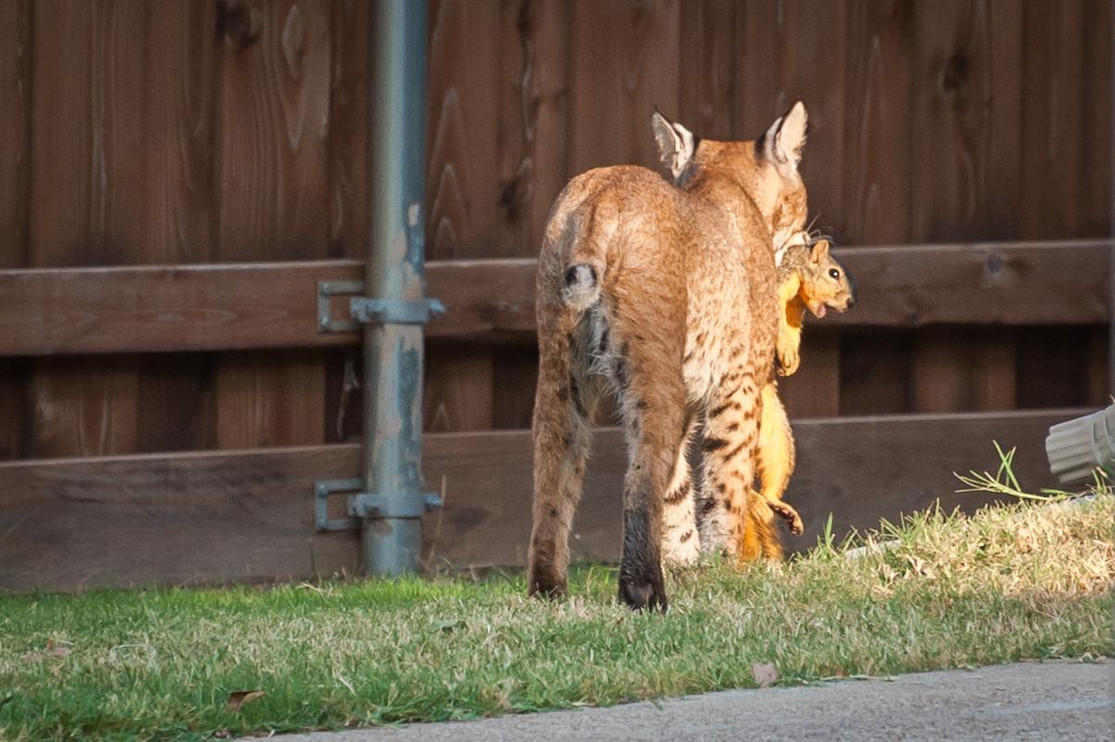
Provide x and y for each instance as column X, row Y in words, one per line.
column 833, row 273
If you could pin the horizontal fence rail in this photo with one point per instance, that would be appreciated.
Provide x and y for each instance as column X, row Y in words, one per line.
column 274, row 305
column 210, row 518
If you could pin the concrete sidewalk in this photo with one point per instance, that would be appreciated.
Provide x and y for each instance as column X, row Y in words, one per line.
column 1060, row 701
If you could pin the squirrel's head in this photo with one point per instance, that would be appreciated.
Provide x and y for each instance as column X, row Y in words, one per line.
column 825, row 283
column 766, row 168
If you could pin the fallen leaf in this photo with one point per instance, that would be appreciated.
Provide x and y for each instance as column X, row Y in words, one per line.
column 240, row 697
column 222, row 734
column 764, row 673
column 57, row 652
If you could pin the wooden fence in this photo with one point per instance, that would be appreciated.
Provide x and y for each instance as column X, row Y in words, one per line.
column 174, row 184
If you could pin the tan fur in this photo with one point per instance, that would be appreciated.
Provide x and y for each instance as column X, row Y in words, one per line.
column 809, row 278
column 668, row 297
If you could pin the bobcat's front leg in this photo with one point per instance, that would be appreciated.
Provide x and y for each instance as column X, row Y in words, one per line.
column 731, row 436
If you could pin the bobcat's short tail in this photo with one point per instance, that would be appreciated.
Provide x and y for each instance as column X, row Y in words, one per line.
column 581, row 288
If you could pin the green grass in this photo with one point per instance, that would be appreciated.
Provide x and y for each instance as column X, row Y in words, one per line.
column 1012, row 583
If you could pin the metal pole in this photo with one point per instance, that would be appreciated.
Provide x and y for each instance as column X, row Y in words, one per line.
column 393, row 339
column 1111, row 227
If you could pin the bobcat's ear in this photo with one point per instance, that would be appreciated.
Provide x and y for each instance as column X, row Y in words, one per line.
column 675, row 143
column 784, row 140
column 820, row 251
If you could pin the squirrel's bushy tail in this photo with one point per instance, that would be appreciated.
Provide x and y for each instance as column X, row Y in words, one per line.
column 581, row 286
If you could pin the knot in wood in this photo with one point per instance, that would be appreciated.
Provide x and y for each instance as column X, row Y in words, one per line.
column 240, row 22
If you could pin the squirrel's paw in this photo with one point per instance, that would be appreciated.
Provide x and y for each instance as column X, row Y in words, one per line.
column 788, row 361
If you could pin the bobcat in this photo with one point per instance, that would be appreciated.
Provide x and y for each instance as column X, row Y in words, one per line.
column 668, row 297
column 808, row 278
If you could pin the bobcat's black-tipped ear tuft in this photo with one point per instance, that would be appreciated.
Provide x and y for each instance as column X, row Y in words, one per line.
column 785, row 139
column 676, row 144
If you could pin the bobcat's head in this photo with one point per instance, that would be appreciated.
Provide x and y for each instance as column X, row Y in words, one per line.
column 825, row 282
column 766, row 168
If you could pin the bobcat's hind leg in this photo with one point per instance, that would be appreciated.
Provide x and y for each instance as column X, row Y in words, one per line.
column 562, row 433
column 680, row 544
column 652, row 401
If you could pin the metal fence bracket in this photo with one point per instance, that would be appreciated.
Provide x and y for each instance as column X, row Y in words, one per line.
column 325, row 291
column 393, row 311
column 363, row 505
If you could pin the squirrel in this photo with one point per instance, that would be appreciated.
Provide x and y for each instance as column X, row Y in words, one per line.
column 809, row 278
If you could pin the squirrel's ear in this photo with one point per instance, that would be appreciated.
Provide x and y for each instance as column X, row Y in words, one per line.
column 820, row 251
column 675, row 143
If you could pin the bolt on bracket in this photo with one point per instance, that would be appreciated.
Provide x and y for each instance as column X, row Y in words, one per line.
column 363, row 505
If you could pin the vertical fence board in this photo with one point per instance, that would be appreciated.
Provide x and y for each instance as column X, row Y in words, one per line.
column 876, row 205
column 15, row 130
column 623, row 63
column 709, row 77
column 274, row 398
column 274, row 163
column 175, row 397
column 348, row 124
column 1066, row 148
column 544, row 96
column 965, row 168
column 814, row 391
column 462, row 188
column 796, row 51
column 459, row 394
column 15, row 178
column 87, row 102
column 463, row 96
column 791, row 52
column 875, row 373
column 83, row 409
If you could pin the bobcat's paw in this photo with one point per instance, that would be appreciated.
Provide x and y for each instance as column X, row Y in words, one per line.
column 541, row 584
column 644, row 592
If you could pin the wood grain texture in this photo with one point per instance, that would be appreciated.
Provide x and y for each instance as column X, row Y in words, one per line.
column 348, row 127
column 710, row 67
column 274, row 165
column 814, row 391
column 797, row 51
column 877, row 123
column 13, row 408
column 273, row 398
column 623, row 63
column 85, row 408
column 15, row 131
column 458, row 392
column 966, row 165
column 16, row 20
column 463, row 99
column 247, row 516
column 87, row 188
column 274, row 124
column 1065, row 135
column 273, row 305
